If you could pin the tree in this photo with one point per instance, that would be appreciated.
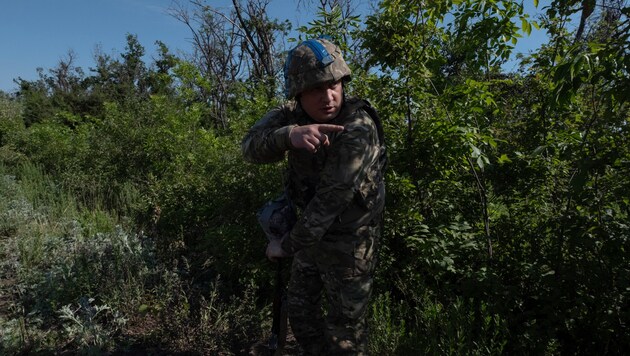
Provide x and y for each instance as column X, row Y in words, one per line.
column 232, row 47
column 121, row 80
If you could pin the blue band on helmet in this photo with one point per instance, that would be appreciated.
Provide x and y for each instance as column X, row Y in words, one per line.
column 320, row 51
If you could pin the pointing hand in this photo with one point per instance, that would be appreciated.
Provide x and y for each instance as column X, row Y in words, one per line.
column 311, row 137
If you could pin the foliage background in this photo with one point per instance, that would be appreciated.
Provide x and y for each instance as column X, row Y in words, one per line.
column 127, row 213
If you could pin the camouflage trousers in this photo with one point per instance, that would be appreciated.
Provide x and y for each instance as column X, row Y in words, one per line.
column 340, row 268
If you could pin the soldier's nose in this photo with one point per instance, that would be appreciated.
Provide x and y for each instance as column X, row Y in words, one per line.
column 329, row 95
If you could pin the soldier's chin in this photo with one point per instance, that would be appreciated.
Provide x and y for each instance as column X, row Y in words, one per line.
column 326, row 115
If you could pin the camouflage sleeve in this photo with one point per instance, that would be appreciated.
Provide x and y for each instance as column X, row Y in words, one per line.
column 268, row 139
column 351, row 154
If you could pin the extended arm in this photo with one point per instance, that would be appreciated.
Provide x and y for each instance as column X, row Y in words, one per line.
column 270, row 137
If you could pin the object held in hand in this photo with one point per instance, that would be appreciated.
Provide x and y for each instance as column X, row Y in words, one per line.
column 277, row 217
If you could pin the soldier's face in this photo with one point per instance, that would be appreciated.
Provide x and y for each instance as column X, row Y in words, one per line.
column 323, row 103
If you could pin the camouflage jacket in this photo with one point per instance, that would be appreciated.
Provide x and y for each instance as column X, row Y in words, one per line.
column 335, row 190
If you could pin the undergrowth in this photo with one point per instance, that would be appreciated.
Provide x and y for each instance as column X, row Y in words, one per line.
column 80, row 280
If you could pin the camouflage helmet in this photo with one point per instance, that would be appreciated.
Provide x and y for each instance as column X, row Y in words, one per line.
column 313, row 62
column 277, row 217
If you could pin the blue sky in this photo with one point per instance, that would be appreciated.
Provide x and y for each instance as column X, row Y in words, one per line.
column 38, row 33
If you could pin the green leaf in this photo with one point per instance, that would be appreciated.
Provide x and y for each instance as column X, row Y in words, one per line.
column 480, row 162
column 526, row 26
column 539, row 150
column 504, row 159
column 476, row 151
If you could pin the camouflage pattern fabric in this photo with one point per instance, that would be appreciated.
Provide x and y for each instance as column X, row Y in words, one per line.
column 342, row 266
column 339, row 195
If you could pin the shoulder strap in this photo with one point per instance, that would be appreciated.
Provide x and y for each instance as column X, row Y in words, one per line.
column 377, row 120
column 380, row 132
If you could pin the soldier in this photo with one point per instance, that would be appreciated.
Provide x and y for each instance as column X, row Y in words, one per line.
column 334, row 180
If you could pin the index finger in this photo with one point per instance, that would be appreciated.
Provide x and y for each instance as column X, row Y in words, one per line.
column 329, row 128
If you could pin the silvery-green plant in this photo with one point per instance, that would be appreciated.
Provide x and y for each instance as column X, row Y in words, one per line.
column 90, row 326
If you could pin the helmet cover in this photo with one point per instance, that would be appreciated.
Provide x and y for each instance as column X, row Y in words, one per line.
column 277, row 217
column 311, row 63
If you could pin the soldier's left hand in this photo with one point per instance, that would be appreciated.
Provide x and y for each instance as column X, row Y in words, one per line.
column 275, row 251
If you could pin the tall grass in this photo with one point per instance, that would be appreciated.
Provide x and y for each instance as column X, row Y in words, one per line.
column 76, row 279
column 430, row 327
